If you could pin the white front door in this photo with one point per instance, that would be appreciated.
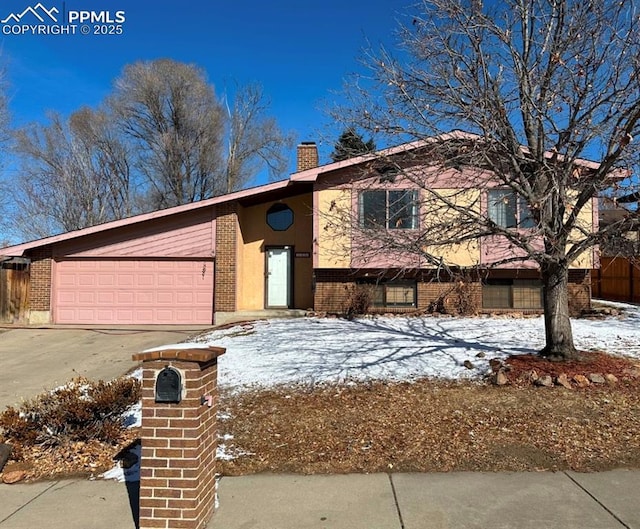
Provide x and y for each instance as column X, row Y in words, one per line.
column 278, row 277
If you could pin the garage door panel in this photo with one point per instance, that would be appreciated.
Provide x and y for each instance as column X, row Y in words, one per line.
column 123, row 298
column 144, row 280
column 85, row 280
column 86, row 298
column 130, row 291
column 183, row 298
column 125, row 279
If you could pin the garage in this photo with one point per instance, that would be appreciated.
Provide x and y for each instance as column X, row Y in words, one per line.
column 133, row 291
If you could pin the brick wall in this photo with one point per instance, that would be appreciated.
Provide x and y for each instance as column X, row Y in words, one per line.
column 179, row 440
column 226, row 257
column 307, row 156
column 40, row 288
column 579, row 291
column 332, row 286
column 331, row 290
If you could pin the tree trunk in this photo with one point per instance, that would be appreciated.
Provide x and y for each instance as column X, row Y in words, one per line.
column 559, row 336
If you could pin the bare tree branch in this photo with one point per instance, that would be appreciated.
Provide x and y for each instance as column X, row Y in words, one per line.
column 547, row 93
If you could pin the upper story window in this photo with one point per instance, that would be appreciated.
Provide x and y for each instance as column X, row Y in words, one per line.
column 391, row 209
column 508, row 210
column 279, row 217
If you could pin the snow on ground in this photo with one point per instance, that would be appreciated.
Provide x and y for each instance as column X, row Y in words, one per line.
column 321, row 350
column 332, row 350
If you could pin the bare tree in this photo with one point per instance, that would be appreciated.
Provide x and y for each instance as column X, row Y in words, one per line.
column 6, row 228
column 176, row 124
column 74, row 174
column 254, row 139
column 538, row 86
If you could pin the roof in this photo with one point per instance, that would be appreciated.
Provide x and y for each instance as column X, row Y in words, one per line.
column 275, row 190
column 311, row 175
column 19, row 249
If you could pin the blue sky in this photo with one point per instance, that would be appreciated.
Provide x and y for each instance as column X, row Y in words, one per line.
column 299, row 51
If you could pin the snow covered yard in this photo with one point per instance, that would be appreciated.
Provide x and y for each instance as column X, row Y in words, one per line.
column 332, row 350
column 332, row 395
column 378, row 393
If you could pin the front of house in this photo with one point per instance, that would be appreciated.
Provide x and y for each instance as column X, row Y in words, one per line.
column 277, row 246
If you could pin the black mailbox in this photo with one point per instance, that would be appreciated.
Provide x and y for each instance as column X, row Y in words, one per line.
column 169, row 385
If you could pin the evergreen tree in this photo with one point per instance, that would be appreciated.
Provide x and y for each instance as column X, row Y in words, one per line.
column 351, row 144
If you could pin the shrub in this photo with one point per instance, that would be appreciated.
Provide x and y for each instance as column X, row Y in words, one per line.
column 82, row 410
column 462, row 298
column 358, row 300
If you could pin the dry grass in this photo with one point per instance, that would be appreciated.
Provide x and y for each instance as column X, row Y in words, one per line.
column 424, row 426
column 430, row 426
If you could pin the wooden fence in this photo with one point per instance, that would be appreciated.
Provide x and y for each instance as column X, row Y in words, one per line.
column 14, row 293
column 617, row 279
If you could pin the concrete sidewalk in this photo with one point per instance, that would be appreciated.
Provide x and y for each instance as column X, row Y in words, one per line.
column 458, row 500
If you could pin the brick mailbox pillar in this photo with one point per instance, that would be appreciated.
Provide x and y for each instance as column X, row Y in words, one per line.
column 179, row 437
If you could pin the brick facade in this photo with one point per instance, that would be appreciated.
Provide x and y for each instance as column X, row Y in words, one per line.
column 307, row 156
column 579, row 291
column 226, row 257
column 179, row 440
column 332, row 288
column 40, row 288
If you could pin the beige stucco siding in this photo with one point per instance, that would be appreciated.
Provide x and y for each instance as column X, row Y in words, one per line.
column 333, row 241
column 439, row 216
column 256, row 236
column 584, row 225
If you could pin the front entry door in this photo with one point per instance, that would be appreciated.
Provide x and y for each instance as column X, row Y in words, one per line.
column 279, row 277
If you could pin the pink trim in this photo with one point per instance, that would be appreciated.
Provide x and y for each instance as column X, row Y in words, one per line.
column 316, row 229
column 311, row 175
column 19, row 249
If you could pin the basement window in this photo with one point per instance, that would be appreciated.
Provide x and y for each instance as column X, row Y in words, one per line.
column 393, row 294
column 512, row 294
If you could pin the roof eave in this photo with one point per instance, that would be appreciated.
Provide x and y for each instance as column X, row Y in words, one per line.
column 19, row 249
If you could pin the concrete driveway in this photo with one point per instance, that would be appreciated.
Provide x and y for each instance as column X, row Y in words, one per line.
column 32, row 360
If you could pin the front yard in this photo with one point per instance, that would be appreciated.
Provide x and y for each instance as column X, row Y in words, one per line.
column 411, row 394
column 376, row 394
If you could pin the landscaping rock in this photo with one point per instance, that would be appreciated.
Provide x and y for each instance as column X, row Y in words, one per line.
column 9, row 478
column 611, row 379
column 633, row 372
column 5, row 452
column 545, row 381
column 481, row 355
column 468, row 364
column 500, row 379
column 563, row 380
column 596, row 378
column 581, row 381
column 495, row 364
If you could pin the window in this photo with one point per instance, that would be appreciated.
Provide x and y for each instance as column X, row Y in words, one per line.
column 509, row 211
column 393, row 293
column 395, row 210
column 512, row 294
column 279, row 217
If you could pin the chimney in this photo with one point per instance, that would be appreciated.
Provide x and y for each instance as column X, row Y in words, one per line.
column 307, row 156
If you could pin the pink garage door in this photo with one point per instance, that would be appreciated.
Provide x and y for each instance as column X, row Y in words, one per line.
column 133, row 291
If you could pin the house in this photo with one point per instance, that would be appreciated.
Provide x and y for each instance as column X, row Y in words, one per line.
column 275, row 246
column 618, row 276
